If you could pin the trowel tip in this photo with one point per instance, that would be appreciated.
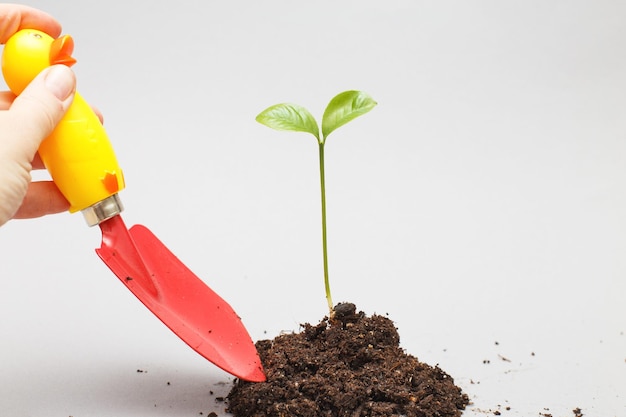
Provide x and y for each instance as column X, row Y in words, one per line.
column 255, row 375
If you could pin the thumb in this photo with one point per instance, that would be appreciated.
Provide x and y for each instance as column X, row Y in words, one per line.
column 37, row 110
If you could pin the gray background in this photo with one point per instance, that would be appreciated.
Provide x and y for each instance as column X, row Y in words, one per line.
column 481, row 204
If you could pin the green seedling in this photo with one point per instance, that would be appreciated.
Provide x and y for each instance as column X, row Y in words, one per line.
column 343, row 108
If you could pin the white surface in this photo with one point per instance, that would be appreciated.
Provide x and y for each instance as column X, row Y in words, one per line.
column 483, row 200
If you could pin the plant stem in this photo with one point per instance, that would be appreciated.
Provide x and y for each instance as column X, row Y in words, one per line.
column 324, row 239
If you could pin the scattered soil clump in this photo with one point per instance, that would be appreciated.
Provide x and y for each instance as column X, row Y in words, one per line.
column 347, row 366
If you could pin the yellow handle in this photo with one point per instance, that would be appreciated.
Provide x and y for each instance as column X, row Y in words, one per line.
column 80, row 158
column 78, row 153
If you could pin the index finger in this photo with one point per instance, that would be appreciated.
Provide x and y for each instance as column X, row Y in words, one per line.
column 14, row 17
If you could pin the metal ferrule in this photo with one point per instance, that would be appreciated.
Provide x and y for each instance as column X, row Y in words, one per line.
column 103, row 210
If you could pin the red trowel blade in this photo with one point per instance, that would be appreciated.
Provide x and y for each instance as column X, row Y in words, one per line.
column 181, row 300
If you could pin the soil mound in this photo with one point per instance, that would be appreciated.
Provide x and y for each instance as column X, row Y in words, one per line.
column 347, row 366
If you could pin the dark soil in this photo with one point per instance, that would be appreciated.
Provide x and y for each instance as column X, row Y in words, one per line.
column 348, row 366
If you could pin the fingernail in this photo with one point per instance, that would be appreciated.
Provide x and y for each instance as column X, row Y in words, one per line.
column 60, row 81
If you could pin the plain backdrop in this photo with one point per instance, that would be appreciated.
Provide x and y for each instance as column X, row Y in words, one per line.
column 481, row 204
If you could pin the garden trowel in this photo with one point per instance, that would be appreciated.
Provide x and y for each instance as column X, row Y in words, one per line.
column 83, row 165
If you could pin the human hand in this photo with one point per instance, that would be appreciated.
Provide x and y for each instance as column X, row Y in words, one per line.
column 26, row 120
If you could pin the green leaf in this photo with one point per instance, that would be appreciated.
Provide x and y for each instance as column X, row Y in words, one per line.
column 343, row 108
column 290, row 117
